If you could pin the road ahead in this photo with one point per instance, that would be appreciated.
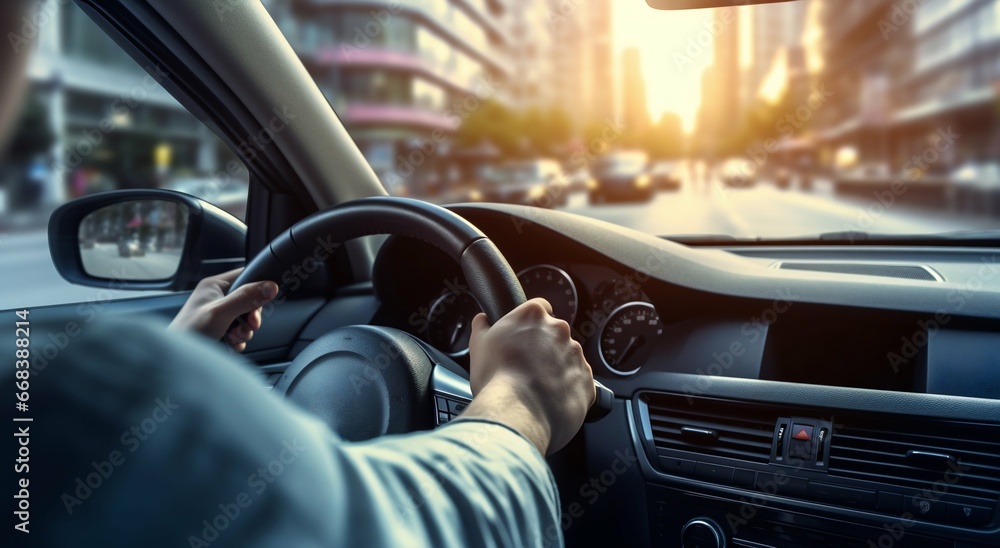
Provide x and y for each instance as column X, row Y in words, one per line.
column 767, row 212
column 27, row 277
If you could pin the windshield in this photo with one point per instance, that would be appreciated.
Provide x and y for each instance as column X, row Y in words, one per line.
column 786, row 120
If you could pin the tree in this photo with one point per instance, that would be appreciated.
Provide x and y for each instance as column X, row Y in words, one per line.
column 491, row 122
column 33, row 134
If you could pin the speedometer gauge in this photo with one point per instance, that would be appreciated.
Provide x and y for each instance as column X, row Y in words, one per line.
column 554, row 285
column 629, row 336
column 450, row 322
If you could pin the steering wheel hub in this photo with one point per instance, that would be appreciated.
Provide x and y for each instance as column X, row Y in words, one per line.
column 364, row 381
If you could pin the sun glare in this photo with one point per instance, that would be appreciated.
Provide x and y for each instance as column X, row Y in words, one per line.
column 675, row 47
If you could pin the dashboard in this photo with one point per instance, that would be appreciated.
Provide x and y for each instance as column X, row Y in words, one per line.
column 765, row 396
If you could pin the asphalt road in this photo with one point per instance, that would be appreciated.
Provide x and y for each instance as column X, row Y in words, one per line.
column 28, row 279
column 104, row 261
column 768, row 212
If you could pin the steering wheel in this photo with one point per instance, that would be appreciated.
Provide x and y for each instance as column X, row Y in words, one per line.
column 366, row 381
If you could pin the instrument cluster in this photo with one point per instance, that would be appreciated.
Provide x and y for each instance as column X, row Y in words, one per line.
column 611, row 314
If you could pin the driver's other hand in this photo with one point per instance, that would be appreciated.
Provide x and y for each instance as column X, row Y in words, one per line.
column 211, row 312
column 532, row 352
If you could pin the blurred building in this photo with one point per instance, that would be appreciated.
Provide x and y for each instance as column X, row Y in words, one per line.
column 600, row 61
column 721, row 97
column 897, row 79
column 856, row 63
column 400, row 72
column 112, row 125
column 635, row 112
column 533, row 53
column 951, row 80
column 775, row 28
column 583, row 67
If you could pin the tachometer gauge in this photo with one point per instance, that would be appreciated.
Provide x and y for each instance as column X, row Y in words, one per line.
column 554, row 285
column 450, row 322
column 628, row 337
column 611, row 293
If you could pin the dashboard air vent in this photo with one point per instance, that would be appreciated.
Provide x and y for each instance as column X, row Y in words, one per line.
column 963, row 458
column 909, row 272
column 710, row 426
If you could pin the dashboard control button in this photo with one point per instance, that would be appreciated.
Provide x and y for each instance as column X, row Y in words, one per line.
column 890, row 503
column 443, row 417
column 681, row 467
column 714, row 472
column 925, row 508
column 743, row 478
column 844, row 496
column 968, row 515
column 802, row 432
column 456, row 407
column 781, row 484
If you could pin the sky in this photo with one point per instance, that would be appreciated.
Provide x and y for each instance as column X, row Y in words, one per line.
column 675, row 47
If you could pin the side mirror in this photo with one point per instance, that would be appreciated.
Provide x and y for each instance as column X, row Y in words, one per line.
column 144, row 240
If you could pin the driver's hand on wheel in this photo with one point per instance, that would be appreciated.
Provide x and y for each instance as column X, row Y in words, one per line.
column 528, row 373
column 211, row 312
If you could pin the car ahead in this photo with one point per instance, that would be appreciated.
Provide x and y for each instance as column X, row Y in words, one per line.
column 974, row 187
column 862, row 179
column 130, row 246
column 666, row 175
column 537, row 182
column 622, row 176
column 783, row 178
column 578, row 179
column 738, row 173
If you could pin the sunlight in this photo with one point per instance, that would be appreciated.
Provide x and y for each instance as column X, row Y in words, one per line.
column 675, row 48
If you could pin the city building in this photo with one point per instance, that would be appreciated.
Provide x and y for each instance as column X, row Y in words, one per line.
column 600, row 63
column 774, row 28
column 402, row 75
column 721, row 98
column 855, row 70
column 951, row 81
column 635, row 112
column 901, row 78
column 533, row 53
column 112, row 124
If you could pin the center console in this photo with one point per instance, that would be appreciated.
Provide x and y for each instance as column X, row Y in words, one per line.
column 727, row 471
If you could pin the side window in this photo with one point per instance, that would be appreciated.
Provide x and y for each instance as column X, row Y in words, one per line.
column 93, row 120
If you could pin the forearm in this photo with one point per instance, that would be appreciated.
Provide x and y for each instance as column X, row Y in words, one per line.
column 466, row 483
column 504, row 400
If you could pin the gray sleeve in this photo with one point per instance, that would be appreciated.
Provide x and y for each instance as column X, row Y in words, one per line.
column 190, row 449
column 470, row 483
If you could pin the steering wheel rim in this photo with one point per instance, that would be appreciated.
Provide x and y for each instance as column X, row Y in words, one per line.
column 367, row 381
column 491, row 280
column 403, row 381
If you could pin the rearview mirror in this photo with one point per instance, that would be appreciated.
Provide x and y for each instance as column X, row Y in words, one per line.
column 144, row 240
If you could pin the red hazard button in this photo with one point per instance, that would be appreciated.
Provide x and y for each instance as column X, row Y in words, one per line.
column 802, row 432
